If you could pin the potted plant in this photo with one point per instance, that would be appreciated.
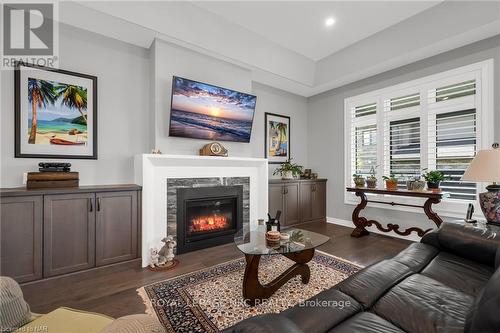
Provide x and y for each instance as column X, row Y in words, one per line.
column 371, row 180
column 288, row 170
column 433, row 178
column 391, row 182
column 359, row 180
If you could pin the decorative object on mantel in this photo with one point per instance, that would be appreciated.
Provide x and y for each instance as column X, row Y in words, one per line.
column 164, row 259
column 433, row 178
column 288, row 170
column 361, row 222
column 52, row 175
column 213, row 149
column 156, row 151
column 485, row 167
column 277, row 138
column 42, row 92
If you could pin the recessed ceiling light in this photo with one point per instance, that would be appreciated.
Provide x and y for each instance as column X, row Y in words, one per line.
column 329, row 21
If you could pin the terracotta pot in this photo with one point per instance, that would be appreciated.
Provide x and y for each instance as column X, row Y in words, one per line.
column 391, row 185
column 371, row 182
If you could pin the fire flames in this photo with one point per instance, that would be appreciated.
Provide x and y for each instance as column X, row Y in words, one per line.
column 209, row 223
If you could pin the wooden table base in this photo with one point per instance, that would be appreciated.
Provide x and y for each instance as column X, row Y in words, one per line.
column 254, row 291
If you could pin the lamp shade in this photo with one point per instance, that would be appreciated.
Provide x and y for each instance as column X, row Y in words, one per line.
column 485, row 167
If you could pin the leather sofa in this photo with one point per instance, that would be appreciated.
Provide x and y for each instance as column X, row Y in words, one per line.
column 449, row 282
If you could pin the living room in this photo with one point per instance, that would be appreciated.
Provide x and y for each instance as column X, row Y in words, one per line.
column 250, row 166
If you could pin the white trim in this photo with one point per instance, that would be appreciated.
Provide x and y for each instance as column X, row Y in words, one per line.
column 482, row 72
column 346, row 223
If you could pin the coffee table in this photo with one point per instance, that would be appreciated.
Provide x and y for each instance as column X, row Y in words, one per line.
column 300, row 248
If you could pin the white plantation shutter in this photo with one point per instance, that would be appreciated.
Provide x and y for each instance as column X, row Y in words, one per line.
column 452, row 135
column 363, row 138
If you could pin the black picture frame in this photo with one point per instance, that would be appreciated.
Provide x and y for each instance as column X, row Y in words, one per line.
column 266, row 137
column 18, row 109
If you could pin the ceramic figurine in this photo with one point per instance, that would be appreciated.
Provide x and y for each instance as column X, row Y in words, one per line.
column 167, row 251
column 154, row 256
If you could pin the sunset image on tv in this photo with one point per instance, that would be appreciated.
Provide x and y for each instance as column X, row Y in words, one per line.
column 204, row 111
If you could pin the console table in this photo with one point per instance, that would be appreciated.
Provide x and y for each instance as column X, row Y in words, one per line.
column 433, row 197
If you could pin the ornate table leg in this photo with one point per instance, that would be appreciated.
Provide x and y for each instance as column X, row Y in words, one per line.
column 359, row 222
column 253, row 290
column 430, row 213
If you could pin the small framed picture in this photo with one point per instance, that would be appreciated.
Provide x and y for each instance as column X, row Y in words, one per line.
column 277, row 138
column 55, row 113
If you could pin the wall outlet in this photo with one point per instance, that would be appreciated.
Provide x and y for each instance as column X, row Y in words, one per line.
column 25, row 178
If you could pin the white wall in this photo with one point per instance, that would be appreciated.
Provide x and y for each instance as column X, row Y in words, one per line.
column 123, row 108
column 168, row 60
column 326, row 124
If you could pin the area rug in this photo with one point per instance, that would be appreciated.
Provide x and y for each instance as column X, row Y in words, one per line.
column 211, row 299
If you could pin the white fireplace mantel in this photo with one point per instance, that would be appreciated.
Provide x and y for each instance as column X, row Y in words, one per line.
column 153, row 170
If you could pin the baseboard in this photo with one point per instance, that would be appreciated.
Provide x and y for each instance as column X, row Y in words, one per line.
column 346, row 223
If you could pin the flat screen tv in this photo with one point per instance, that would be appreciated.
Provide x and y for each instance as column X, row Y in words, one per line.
column 204, row 111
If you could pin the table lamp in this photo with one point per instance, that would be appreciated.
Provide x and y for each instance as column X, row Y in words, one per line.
column 485, row 167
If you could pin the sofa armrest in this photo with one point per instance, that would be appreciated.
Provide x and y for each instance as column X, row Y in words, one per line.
column 469, row 241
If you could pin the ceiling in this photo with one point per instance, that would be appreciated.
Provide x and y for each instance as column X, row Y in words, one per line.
column 300, row 25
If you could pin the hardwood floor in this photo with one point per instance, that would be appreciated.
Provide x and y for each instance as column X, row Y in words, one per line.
column 115, row 294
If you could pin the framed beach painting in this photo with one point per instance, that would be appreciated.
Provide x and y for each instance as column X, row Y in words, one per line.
column 277, row 138
column 55, row 113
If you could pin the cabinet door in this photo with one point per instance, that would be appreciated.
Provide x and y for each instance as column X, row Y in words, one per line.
column 275, row 199
column 291, row 204
column 306, row 193
column 21, row 223
column 116, row 227
column 318, row 202
column 69, row 233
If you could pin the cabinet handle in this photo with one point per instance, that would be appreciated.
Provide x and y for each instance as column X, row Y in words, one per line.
column 91, row 205
column 286, row 190
column 98, row 204
column 314, row 188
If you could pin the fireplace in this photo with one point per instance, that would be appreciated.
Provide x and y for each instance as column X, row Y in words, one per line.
column 208, row 216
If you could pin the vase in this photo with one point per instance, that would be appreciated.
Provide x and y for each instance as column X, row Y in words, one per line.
column 433, row 185
column 287, row 175
column 490, row 205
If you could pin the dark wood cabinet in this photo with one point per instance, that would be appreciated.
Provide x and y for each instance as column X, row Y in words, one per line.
column 73, row 229
column 116, row 227
column 69, row 233
column 21, row 237
column 299, row 200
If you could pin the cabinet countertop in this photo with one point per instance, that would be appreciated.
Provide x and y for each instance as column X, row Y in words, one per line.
column 23, row 191
column 279, row 181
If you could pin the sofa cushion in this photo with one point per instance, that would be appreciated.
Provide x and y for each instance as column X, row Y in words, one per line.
column 268, row 323
column 459, row 273
column 138, row 323
column 366, row 322
column 323, row 311
column 421, row 304
column 64, row 320
column 369, row 284
column 416, row 256
column 485, row 317
column 14, row 311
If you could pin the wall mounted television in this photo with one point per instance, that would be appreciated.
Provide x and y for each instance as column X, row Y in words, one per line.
column 204, row 111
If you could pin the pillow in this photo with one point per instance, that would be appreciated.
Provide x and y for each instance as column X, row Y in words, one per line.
column 138, row 323
column 14, row 311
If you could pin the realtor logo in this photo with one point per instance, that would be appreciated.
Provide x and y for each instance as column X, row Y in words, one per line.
column 29, row 33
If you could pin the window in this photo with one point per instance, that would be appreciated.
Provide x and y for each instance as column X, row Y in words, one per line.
column 437, row 122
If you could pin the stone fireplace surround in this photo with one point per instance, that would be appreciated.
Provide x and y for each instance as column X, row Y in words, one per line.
column 153, row 172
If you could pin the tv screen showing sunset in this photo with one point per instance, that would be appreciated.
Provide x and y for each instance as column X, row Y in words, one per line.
column 208, row 112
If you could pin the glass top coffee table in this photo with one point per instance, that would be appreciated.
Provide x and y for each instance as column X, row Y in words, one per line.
column 299, row 248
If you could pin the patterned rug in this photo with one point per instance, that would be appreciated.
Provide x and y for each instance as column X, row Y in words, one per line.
column 211, row 299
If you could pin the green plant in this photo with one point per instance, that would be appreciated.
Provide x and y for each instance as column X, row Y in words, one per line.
column 373, row 173
column 433, row 176
column 357, row 175
column 288, row 166
column 391, row 178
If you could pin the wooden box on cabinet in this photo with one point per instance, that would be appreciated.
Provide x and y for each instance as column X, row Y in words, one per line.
column 80, row 229
column 300, row 200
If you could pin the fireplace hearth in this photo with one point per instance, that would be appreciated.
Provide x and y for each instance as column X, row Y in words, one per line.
column 208, row 216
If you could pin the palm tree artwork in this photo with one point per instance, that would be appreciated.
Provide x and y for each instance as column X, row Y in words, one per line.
column 72, row 99
column 282, row 135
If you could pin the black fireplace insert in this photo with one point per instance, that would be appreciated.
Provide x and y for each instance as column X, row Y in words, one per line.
column 208, row 216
